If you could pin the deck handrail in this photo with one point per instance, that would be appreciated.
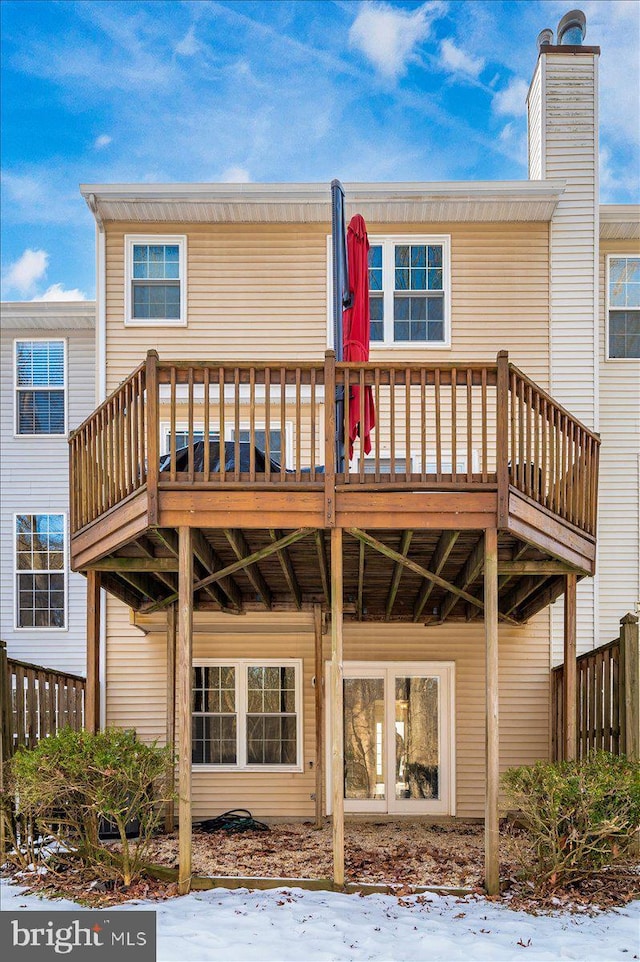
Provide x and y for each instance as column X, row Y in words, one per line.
column 440, row 425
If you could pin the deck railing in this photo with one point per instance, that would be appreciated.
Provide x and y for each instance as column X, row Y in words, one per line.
column 438, row 426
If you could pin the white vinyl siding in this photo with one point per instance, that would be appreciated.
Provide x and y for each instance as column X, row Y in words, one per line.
column 40, row 387
column 34, row 474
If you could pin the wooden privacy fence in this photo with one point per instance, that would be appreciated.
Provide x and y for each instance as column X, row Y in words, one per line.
column 607, row 697
column 36, row 702
column 438, row 425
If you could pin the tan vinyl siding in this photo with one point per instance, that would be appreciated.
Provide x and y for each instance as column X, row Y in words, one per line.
column 34, row 473
column 534, row 108
column 569, row 145
column 260, row 292
column 619, row 510
column 136, row 695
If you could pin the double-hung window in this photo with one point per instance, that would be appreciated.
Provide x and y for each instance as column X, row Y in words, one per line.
column 40, row 382
column 409, row 291
column 623, row 306
column 155, row 285
column 40, row 571
column 247, row 714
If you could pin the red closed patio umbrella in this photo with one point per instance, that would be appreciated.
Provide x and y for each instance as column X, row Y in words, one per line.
column 355, row 329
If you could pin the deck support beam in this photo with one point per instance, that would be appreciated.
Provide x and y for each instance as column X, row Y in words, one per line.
column 319, row 709
column 336, row 702
column 170, row 738
column 92, row 696
column 569, row 675
column 185, row 643
column 492, row 756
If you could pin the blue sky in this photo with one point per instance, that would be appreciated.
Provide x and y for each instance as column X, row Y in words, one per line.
column 278, row 91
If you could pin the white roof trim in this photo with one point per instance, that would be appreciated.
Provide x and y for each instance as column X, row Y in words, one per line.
column 620, row 221
column 48, row 315
column 300, row 203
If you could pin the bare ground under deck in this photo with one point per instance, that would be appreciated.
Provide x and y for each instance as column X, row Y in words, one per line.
column 408, row 852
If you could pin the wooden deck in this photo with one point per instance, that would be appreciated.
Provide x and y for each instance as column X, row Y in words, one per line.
column 457, row 450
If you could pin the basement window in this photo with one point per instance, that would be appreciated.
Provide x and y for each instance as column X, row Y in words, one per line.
column 623, row 307
column 155, row 287
column 247, row 715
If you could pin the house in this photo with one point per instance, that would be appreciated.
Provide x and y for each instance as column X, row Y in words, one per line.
column 317, row 638
column 48, row 386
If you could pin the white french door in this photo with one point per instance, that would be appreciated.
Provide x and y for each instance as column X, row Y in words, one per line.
column 398, row 738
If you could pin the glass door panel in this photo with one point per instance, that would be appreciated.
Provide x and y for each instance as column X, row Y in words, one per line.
column 417, row 744
column 364, row 739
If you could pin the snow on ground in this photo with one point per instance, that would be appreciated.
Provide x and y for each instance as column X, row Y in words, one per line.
column 291, row 925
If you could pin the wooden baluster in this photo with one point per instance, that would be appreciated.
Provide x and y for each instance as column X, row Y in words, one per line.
column 298, row 426
column 537, row 484
column 521, row 443
column 485, row 458
column 143, row 429
column 91, row 471
column 376, row 383
column 407, row 424
column 346, row 373
column 564, row 462
column 252, row 424
column 528, row 429
column 236, row 407
column 513, row 398
column 454, row 425
column 222, row 447
column 469, row 425
column 329, row 377
column 584, row 476
column 283, row 421
column 312, row 425
column 121, row 442
column 206, row 400
column 558, row 460
column 544, row 484
column 392, row 423
column 423, row 424
column 267, row 425
column 436, row 385
column 190, row 427
column 140, row 447
column 173, row 427
column 130, row 438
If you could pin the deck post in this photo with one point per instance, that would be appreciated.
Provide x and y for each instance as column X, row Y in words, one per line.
column 319, row 707
column 569, row 675
column 92, row 693
column 492, row 756
column 153, row 435
column 185, row 642
column 337, row 753
column 171, row 707
column 630, row 687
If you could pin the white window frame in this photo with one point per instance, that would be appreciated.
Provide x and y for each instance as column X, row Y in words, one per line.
column 129, row 241
column 388, row 242
column 608, row 308
column 16, row 388
column 17, row 571
column 241, row 665
column 165, row 431
column 445, row 671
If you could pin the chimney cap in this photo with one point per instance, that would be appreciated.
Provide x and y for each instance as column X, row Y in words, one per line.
column 572, row 29
column 545, row 38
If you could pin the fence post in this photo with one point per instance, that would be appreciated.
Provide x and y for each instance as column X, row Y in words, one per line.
column 630, row 687
column 6, row 740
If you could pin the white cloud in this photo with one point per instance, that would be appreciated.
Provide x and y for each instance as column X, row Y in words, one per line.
column 56, row 292
column 457, row 61
column 24, row 273
column 189, row 45
column 512, row 100
column 102, row 141
column 235, row 175
column 388, row 36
